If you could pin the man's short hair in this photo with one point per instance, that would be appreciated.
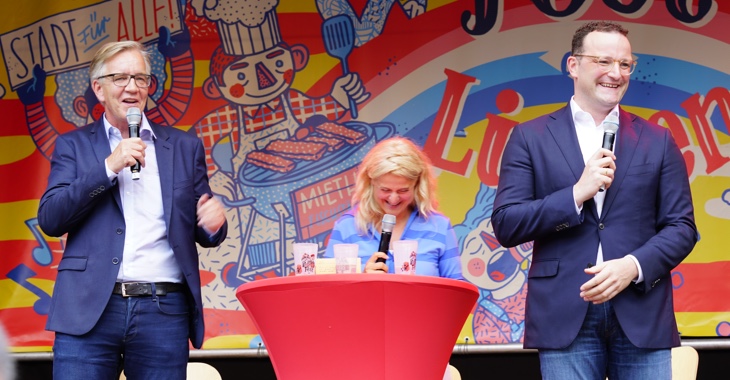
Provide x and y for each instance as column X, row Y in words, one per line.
column 109, row 50
column 594, row 26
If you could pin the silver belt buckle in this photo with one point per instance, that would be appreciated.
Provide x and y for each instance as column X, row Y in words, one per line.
column 124, row 289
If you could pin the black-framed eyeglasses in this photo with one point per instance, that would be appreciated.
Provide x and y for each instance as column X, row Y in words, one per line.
column 122, row 80
column 606, row 63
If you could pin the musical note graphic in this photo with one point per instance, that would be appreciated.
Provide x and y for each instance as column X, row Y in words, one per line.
column 21, row 274
column 42, row 253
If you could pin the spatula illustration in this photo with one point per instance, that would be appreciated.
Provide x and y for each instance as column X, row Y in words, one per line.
column 339, row 38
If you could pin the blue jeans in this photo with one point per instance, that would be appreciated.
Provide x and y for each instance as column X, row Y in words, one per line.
column 602, row 349
column 146, row 336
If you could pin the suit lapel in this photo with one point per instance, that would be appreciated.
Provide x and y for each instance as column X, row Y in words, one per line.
column 165, row 159
column 100, row 145
column 99, row 141
column 628, row 138
column 561, row 127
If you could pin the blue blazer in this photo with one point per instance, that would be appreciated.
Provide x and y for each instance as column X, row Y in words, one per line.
column 81, row 201
column 647, row 212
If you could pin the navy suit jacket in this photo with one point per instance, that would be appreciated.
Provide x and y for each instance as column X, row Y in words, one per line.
column 81, row 201
column 647, row 212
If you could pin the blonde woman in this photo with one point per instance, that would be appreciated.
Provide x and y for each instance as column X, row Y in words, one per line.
column 396, row 178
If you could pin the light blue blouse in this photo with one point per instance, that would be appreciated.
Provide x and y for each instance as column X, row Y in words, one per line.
column 438, row 252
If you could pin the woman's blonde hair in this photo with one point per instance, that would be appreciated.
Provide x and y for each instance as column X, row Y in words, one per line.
column 401, row 157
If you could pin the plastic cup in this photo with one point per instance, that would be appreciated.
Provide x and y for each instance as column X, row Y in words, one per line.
column 404, row 256
column 346, row 258
column 304, row 256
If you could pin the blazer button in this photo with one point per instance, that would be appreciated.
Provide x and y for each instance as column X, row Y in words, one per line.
column 115, row 261
column 120, row 231
column 601, row 226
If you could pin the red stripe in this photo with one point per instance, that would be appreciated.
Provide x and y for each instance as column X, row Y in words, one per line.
column 701, row 287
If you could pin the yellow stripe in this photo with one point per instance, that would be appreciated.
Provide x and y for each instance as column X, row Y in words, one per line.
column 16, row 296
column 702, row 324
column 15, row 148
column 14, row 215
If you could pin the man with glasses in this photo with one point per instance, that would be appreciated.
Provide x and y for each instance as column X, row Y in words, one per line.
column 599, row 300
column 127, row 294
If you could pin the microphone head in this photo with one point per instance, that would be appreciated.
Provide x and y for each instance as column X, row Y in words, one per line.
column 134, row 115
column 610, row 125
column 388, row 222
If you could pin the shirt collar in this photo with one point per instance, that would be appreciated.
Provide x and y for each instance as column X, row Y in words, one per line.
column 145, row 126
column 583, row 117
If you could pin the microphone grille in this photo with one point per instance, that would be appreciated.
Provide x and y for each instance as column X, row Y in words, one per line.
column 388, row 222
column 134, row 115
column 610, row 124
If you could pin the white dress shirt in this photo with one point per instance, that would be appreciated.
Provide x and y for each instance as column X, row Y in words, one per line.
column 147, row 255
column 590, row 138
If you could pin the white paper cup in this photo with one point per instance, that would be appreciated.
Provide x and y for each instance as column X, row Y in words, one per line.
column 346, row 259
column 404, row 256
column 304, row 256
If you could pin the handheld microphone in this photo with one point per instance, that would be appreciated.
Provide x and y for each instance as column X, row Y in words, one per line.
column 610, row 127
column 134, row 117
column 388, row 224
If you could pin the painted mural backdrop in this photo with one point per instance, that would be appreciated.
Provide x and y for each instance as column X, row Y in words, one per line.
column 454, row 75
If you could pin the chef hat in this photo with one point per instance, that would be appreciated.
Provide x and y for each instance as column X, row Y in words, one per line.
column 241, row 39
column 245, row 26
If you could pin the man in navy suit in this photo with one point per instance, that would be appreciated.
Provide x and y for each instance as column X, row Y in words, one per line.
column 127, row 293
column 599, row 300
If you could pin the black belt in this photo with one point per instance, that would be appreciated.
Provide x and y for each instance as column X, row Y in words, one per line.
column 139, row 289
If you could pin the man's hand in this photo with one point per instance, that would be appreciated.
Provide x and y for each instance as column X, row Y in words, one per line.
column 211, row 214
column 599, row 171
column 609, row 279
column 127, row 153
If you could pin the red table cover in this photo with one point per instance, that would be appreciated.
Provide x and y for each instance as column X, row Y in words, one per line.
column 359, row 326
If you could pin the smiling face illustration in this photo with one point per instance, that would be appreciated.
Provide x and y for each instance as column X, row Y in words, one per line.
column 258, row 78
column 490, row 266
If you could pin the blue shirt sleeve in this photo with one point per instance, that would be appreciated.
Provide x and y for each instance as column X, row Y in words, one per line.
column 345, row 231
column 438, row 250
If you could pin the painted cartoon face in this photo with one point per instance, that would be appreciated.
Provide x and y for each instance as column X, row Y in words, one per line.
column 488, row 265
column 258, row 78
column 395, row 195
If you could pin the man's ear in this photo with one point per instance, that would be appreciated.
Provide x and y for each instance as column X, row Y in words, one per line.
column 96, row 87
column 572, row 66
column 210, row 89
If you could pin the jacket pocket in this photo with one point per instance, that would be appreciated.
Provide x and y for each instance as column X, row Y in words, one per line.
column 544, row 268
column 640, row 169
column 72, row 263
